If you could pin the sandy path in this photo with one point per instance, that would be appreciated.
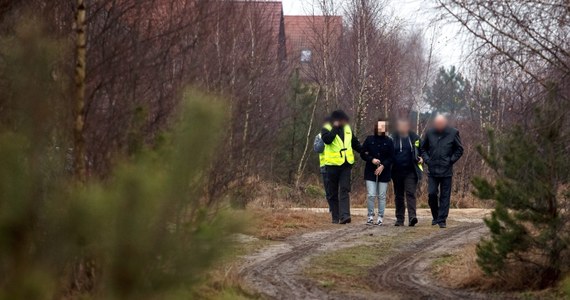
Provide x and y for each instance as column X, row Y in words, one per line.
column 276, row 272
column 407, row 274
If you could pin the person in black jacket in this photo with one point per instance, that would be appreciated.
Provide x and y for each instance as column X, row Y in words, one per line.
column 441, row 149
column 406, row 171
column 378, row 152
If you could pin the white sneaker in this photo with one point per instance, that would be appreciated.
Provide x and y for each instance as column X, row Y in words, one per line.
column 370, row 220
column 380, row 221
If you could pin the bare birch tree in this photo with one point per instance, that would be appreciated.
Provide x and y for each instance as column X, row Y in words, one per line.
column 532, row 35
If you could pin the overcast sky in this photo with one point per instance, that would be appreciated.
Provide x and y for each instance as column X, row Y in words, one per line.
column 448, row 44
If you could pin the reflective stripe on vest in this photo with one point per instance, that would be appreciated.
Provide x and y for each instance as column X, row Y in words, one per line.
column 322, row 161
column 417, row 144
column 339, row 151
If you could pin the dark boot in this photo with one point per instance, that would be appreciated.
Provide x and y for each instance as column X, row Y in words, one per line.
column 413, row 222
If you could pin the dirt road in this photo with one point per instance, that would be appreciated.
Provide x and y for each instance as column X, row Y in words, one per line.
column 407, row 274
column 276, row 272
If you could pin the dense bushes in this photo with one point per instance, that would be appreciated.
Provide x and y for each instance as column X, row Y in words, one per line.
column 143, row 234
column 146, row 232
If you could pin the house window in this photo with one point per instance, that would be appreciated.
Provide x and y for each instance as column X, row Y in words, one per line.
column 306, row 55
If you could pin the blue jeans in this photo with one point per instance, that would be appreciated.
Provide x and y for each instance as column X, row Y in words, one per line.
column 376, row 190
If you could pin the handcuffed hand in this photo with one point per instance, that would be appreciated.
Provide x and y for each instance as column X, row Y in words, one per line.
column 376, row 161
column 379, row 170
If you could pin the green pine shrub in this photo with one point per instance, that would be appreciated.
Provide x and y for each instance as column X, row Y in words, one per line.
column 530, row 225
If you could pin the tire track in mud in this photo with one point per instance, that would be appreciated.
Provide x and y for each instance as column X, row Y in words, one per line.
column 276, row 272
column 408, row 273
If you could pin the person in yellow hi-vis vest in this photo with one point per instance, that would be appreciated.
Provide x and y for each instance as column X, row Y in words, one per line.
column 340, row 145
column 406, row 171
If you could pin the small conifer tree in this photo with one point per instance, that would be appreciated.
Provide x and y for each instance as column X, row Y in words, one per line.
column 529, row 227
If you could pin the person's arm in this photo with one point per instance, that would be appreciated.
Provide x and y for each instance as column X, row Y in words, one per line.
column 424, row 146
column 329, row 136
column 420, row 147
column 458, row 148
column 356, row 144
column 364, row 153
column 318, row 144
column 391, row 153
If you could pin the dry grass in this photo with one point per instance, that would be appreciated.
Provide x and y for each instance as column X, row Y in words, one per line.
column 224, row 282
column 459, row 270
column 266, row 195
column 266, row 225
column 277, row 224
column 271, row 195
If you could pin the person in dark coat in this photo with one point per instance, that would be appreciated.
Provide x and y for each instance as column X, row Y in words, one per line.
column 340, row 145
column 378, row 152
column 442, row 148
column 406, row 171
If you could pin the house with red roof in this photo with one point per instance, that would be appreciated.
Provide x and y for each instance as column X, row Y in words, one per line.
column 307, row 35
column 299, row 40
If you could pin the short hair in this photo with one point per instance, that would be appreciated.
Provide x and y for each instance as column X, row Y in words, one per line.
column 403, row 119
column 441, row 115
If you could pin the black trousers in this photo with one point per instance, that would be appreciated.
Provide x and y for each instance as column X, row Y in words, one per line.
column 439, row 194
column 326, row 186
column 405, row 186
column 339, row 190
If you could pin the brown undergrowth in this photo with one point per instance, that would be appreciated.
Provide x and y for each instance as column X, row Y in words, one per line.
column 265, row 227
column 277, row 224
column 261, row 194
column 459, row 270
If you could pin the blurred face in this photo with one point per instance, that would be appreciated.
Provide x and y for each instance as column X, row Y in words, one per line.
column 440, row 123
column 403, row 127
column 382, row 127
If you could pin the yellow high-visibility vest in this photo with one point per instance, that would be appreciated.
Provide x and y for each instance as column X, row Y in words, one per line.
column 339, row 151
column 417, row 144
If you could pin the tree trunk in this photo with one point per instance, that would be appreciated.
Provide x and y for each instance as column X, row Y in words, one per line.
column 302, row 161
column 80, row 71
